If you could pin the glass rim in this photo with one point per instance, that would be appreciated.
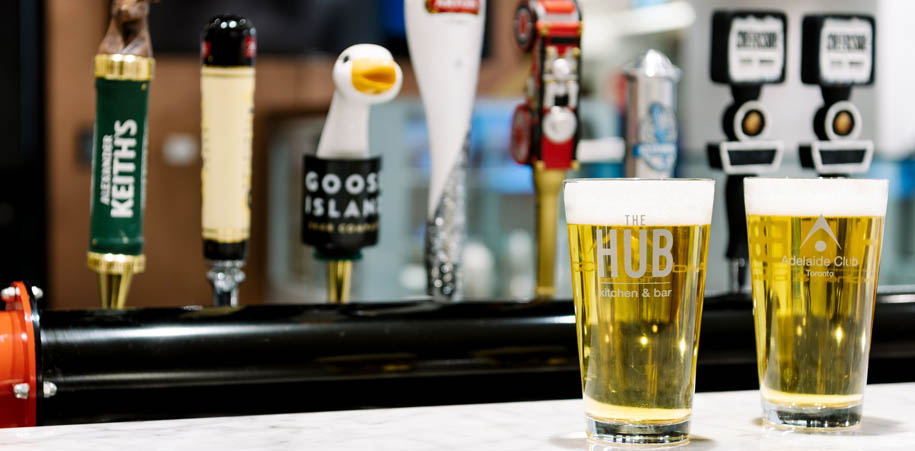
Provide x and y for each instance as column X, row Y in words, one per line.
column 840, row 179
column 664, row 201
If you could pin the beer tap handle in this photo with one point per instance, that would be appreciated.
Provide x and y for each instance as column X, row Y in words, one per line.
column 228, row 50
column 545, row 129
column 748, row 51
column 837, row 53
column 123, row 69
column 341, row 186
column 445, row 39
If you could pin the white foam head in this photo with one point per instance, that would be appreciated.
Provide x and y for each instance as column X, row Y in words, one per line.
column 815, row 197
column 656, row 202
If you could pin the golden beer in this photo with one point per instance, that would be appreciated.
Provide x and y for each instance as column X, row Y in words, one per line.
column 814, row 276
column 638, row 281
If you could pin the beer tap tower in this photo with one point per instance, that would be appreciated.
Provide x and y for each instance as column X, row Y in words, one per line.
column 545, row 131
column 445, row 40
column 837, row 53
column 341, row 183
column 228, row 50
column 748, row 51
column 123, row 69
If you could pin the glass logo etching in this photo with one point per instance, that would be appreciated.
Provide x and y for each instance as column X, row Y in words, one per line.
column 649, row 263
column 830, row 250
column 638, row 291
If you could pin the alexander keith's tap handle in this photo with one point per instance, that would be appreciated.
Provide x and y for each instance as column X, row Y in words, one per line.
column 123, row 69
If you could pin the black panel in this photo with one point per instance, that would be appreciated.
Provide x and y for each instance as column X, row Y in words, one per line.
column 751, row 157
column 214, row 250
column 739, row 157
column 831, row 157
column 842, row 156
column 22, row 155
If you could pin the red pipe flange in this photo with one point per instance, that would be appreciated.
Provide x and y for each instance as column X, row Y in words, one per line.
column 18, row 386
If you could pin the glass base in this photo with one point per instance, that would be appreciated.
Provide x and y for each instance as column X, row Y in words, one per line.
column 634, row 433
column 832, row 418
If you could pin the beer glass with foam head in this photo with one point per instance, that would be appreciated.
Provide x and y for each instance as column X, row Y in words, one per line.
column 814, row 259
column 638, row 251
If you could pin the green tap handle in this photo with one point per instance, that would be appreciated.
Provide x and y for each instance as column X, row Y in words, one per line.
column 119, row 154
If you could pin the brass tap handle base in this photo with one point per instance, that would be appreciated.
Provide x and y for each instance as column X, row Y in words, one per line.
column 339, row 280
column 547, row 185
column 113, row 289
column 115, row 271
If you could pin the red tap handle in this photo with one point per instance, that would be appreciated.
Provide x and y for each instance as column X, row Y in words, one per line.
column 545, row 129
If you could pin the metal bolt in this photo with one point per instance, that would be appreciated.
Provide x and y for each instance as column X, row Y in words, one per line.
column 9, row 293
column 49, row 389
column 37, row 293
column 21, row 391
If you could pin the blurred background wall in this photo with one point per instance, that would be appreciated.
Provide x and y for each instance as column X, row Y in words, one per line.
column 294, row 87
column 286, row 83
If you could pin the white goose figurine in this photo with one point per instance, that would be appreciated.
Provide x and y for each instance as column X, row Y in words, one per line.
column 364, row 75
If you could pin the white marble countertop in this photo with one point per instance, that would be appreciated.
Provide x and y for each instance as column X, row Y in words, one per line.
column 725, row 421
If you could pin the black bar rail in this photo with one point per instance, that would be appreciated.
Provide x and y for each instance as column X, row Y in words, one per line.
column 206, row 361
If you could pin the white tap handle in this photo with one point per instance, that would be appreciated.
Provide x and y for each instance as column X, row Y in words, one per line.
column 445, row 48
column 445, row 39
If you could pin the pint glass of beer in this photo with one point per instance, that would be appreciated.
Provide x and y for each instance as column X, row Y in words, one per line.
column 814, row 258
column 638, row 251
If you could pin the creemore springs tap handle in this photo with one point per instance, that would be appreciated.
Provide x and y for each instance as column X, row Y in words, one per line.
column 228, row 50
